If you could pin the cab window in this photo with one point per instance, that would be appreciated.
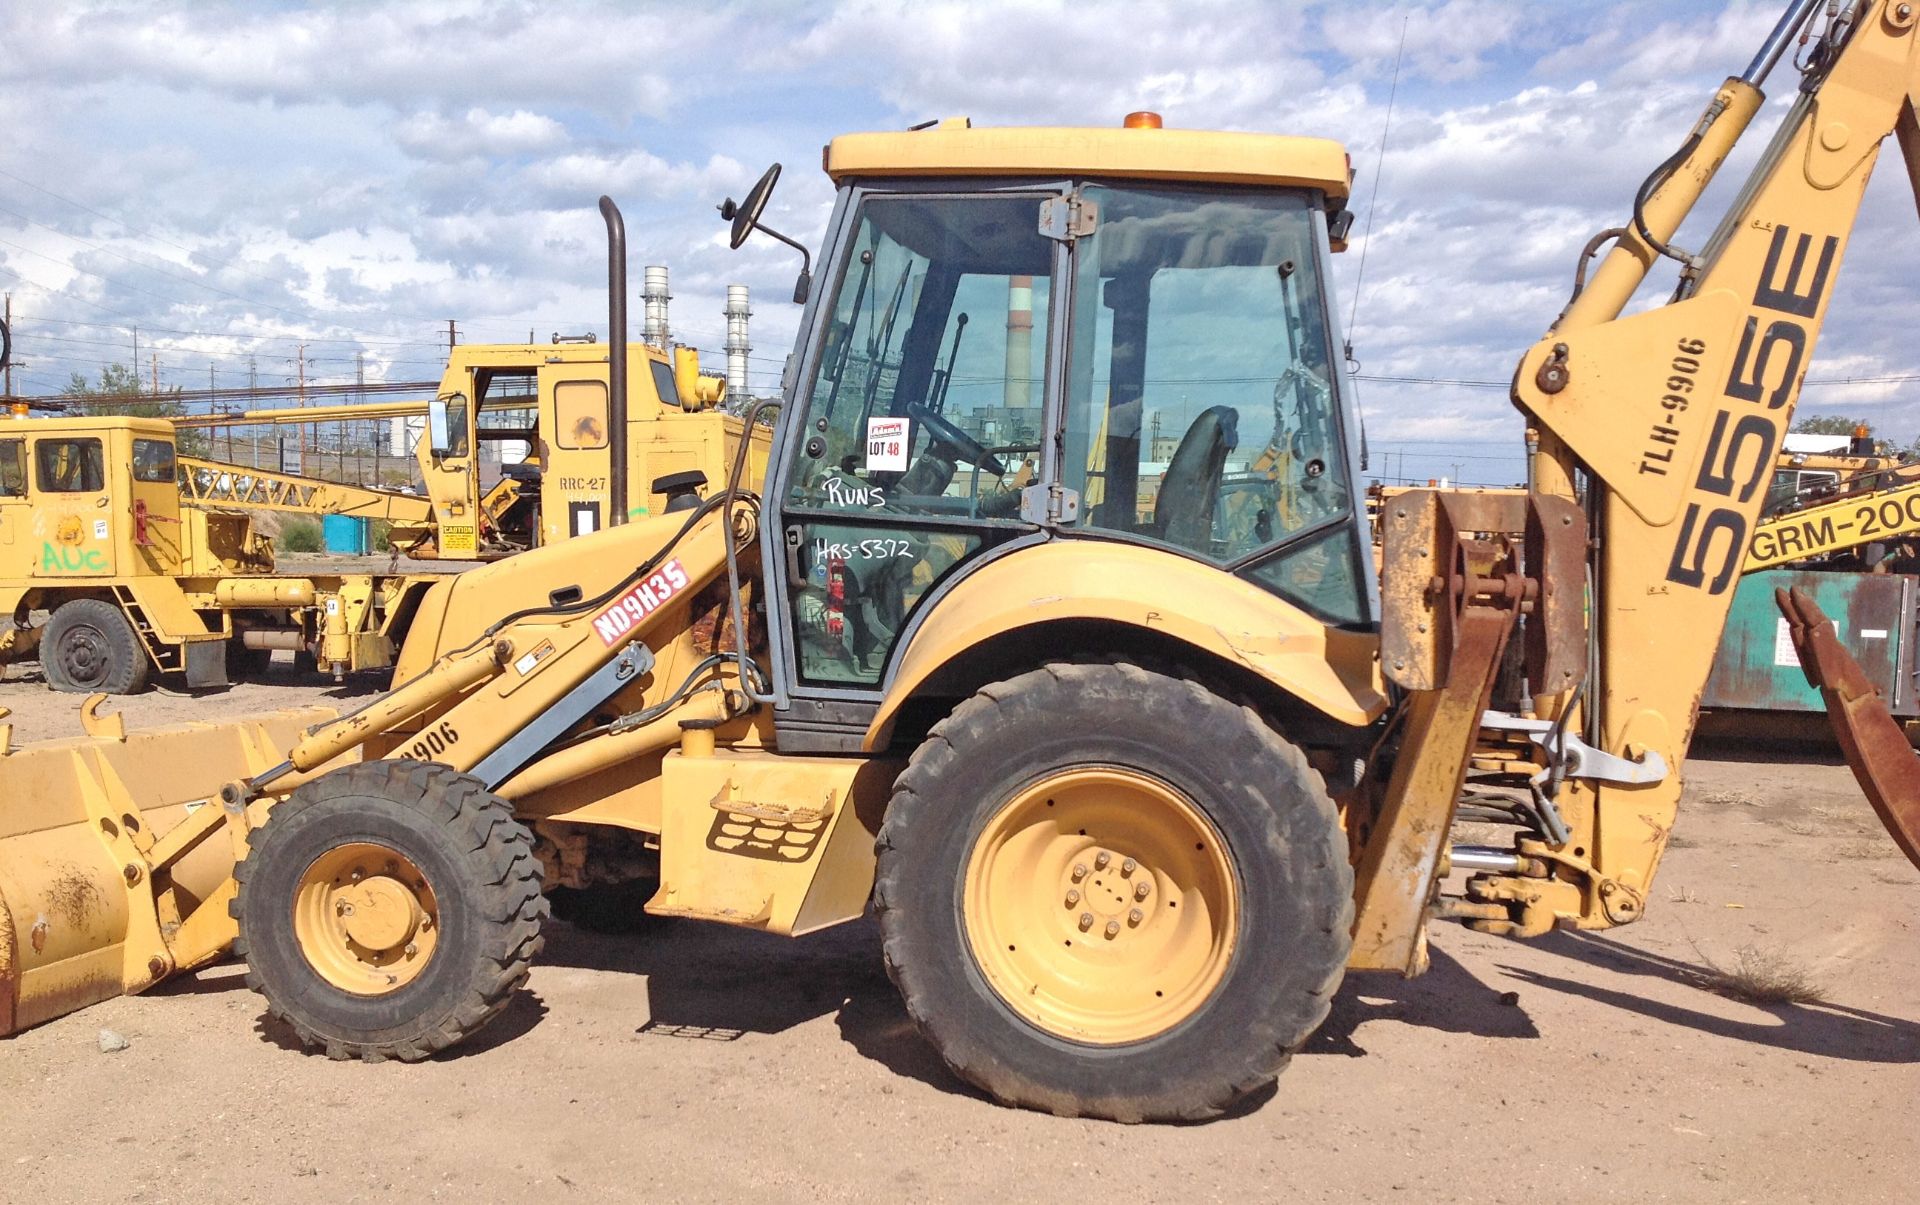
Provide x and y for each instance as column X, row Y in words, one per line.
column 923, row 418
column 13, row 468
column 1202, row 406
column 664, row 383
column 927, row 397
column 580, row 414
column 153, row 460
column 69, row 466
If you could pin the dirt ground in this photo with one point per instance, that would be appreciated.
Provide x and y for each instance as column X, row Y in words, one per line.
column 704, row 1064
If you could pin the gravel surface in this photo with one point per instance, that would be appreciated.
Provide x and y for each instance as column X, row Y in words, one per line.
column 699, row 1063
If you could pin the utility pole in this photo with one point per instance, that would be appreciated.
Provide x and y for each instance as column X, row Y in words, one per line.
column 360, row 396
column 305, row 428
column 136, row 359
column 155, row 358
column 9, row 323
column 453, row 334
column 253, row 396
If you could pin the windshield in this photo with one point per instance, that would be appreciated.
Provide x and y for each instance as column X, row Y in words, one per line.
column 1201, row 410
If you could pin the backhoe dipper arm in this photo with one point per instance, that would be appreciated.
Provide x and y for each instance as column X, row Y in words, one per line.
column 1674, row 416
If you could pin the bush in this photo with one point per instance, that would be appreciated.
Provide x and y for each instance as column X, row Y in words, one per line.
column 301, row 535
column 379, row 535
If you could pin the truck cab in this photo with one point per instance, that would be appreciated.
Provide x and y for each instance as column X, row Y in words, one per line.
column 516, row 451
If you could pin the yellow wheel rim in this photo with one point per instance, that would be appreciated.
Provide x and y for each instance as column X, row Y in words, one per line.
column 1101, row 905
column 366, row 918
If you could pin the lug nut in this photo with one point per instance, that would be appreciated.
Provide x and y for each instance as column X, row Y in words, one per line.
column 1086, row 921
column 1136, row 916
column 1140, row 890
column 343, row 908
column 1073, row 896
column 1113, row 928
column 1079, row 871
column 411, row 950
column 1100, row 863
column 355, row 876
column 1129, row 866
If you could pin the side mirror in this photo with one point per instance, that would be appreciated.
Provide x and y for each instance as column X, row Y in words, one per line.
column 746, row 215
column 802, row 287
column 439, row 429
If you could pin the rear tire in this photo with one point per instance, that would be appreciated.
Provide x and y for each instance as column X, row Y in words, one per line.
column 1027, row 961
column 89, row 647
column 389, row 909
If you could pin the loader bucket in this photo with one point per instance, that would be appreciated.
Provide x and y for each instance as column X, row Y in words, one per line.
column 108, row 881
column 1875, row 746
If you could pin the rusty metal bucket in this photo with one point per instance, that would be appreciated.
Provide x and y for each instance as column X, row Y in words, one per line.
column 116, row 855
column 1875, row 746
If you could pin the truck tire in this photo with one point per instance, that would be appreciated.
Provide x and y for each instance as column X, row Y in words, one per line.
column 245, row 664
column 1107, row 892
column 388, row 910
column 90, row 647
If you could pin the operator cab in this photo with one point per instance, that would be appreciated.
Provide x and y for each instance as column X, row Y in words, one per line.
column 1033, row 334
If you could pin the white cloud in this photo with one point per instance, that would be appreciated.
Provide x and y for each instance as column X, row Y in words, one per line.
column 435, row 136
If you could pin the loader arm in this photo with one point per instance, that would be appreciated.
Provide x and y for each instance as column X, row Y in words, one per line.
column 1672, row 417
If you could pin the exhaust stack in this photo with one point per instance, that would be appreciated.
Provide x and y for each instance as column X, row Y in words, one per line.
column 653, row 301
column 617, row 498
column 737, row 345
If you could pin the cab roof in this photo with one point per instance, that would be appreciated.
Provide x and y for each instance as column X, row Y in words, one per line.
column 956, row 148
column 84, row 424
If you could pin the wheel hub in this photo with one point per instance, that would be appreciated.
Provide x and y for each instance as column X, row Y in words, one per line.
column 83, row 654
column 366, row 918
column 377, row 913
column 1101, row 905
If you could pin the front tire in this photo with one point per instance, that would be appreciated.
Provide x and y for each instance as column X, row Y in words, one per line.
column 1108, row 892
column 90, row 647
column 389, row 909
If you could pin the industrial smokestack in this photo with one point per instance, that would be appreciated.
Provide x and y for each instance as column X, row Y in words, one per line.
column 1019, row 342
column 654, row 298
column 737, row 345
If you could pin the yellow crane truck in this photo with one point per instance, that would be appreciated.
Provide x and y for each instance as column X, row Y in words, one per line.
column 1129, row 789
column 145, row 561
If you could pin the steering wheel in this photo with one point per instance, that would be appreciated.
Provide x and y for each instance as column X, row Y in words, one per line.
column 944, row 432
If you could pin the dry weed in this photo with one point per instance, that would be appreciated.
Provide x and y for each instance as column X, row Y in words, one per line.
column 1729, row 799
column 1761, row 977
column 1682, row 895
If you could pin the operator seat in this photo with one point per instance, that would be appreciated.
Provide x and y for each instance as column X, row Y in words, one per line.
column 1190, row 490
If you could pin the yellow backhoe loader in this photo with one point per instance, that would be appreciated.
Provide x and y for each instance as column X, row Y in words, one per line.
column 1130, row 787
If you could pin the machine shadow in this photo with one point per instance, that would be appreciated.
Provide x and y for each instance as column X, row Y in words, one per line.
column 1828, row 1030
column 1448, row 998
column 710, row 983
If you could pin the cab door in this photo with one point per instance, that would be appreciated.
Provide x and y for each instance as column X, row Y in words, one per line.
column 576, row 451
column 72, row 526
column 447, row 468
column 153, row 530
column 16, row 512
column 916, row 425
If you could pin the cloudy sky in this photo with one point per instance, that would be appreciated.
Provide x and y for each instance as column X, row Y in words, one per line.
column 235, row 179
